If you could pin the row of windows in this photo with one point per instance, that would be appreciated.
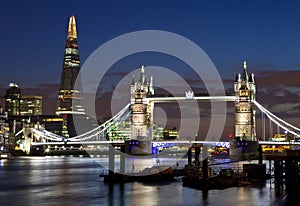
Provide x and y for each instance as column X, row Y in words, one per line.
column 71, row 51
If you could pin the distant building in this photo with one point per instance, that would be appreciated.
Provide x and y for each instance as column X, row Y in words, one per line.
column 51, row 123
column 12, row 100
column 170, row 133
column 6, row 139
column 31, row 105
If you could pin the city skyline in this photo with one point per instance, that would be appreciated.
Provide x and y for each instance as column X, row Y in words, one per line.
column 262, row 32
column 134, row 102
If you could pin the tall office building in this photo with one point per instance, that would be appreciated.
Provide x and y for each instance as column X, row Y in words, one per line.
column 69, row 97
column 12, row 100
column 69, row 100
column 31, row 105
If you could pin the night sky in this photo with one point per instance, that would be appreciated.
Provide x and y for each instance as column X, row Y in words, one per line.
column 265, row 33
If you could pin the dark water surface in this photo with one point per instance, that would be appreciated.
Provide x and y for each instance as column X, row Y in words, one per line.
column 75, row 181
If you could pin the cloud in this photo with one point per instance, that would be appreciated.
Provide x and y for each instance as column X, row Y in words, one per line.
column 278, row 78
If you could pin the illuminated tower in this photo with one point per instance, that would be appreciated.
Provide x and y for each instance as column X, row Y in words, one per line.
column 69, row 101
column 245, row 91
column 141, row 116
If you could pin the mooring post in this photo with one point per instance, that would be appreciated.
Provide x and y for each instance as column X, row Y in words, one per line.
column 197, row 153
column 190, row 156
column 260, row 156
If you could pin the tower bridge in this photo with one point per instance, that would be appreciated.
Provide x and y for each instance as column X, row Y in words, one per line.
column 140, row 110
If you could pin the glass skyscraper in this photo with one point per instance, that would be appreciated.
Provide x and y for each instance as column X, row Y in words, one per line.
column 69, row 100
column 68, row 97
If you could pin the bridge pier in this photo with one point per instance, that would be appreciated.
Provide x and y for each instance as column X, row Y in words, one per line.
column 111, row 161
column 122, row 160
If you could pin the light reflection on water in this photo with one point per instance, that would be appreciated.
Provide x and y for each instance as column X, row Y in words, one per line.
column 75, row 181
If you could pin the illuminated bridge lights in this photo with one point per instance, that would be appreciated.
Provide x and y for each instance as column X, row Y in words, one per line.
column 93, row 136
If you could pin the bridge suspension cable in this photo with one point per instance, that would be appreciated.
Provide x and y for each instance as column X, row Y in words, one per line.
column 98, row 130
column 279, row 122
column 47, row 135
column 88, row 135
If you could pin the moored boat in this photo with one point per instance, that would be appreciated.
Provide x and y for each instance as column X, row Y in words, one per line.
column 149, row 174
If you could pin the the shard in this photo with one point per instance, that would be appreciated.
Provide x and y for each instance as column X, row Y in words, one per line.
column 69, row 100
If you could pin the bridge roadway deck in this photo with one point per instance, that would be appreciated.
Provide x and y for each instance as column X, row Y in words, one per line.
column 201, row 98
column 158, row 142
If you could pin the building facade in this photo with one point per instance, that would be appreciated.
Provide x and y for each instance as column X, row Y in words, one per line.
column 69, row 101
column 12, row 100
column 4, row 130
column 31, row 105
column 69, row 96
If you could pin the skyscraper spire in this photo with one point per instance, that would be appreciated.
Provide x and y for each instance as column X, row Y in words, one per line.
column 245, row 65
column 72, row 33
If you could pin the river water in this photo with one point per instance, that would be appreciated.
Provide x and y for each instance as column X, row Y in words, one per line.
column 75, row 181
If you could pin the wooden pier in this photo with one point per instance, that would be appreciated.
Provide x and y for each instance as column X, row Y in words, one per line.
column 286, row 169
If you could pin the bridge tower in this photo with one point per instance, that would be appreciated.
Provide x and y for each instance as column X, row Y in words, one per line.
column 244, row 146
column 141, row 114
column 245, row 92
column 141, row 110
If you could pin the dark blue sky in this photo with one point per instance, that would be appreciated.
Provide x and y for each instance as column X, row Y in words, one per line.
column 33, row 33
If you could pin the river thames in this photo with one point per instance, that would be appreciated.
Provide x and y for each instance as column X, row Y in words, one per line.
column 76, row 181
